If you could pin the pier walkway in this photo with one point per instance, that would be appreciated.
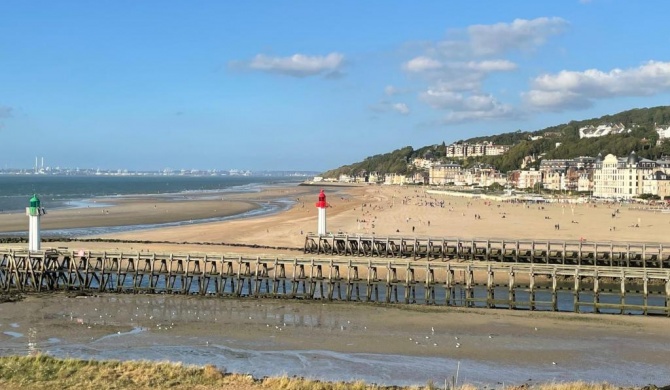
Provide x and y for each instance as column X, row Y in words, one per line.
column 607, row 254
column 553, row 287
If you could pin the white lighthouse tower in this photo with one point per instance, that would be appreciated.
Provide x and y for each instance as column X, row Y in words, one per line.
column 321, row 206
column 34, row 212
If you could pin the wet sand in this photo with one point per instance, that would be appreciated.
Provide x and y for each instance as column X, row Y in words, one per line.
column 336, row 341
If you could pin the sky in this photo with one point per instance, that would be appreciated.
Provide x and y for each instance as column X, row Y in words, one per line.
column 309, row 85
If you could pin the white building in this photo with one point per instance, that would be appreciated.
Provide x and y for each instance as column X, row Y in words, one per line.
column 601, row 130
column 528, row 179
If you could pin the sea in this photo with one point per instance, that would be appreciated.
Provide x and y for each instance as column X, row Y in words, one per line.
column 59, row 192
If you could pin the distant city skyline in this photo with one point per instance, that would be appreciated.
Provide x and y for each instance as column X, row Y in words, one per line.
column 306, row 85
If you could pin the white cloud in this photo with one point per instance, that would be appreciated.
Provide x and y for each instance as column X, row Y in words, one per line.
column 455, row 69
column 492, row 66
column 386, row 106
column 521, row 34
column 466, row 107
column 422, row 64
column 297, row 65
column 500, row 112
column 401, row 108
column 390, row 90
column 571, row 89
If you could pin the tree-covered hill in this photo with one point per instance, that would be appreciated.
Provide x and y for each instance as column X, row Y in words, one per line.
column 642, row 139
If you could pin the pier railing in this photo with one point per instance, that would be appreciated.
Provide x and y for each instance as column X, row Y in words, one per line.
column 554, row 287
column 608, row 254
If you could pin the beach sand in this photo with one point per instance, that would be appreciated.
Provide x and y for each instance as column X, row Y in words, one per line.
column 402, row 211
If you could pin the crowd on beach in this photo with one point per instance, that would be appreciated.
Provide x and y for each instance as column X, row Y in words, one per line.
column 375, row 216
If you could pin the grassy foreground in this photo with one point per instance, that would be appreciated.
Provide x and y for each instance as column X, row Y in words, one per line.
column 46, row 372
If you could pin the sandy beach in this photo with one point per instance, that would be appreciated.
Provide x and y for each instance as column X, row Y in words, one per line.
column 379, row 210
column 583, row 346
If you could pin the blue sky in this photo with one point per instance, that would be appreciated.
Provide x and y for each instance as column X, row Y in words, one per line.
column 306, row 85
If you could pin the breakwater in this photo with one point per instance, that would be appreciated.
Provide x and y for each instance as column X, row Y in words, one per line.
column 554, row 287
column 598, row 254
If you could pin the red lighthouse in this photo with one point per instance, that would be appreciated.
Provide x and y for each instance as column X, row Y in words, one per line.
column 321, row 206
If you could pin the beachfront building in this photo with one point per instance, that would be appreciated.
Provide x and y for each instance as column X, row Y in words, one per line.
column 657, row 183
column 555, row 181
column 396, row 179
column 480, row 175
column 528, row 179
column 345, row 178
column 585, row 182
column 373, row 177
column 441, row 174
column 463, row 150
column 622, row 178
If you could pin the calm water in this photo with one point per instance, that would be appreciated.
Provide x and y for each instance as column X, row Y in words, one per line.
column 73, row 191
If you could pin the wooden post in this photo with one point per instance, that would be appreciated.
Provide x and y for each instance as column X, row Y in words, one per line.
column 554, row 292
column 516, row 252
column 468, row 286
column 489, row 287
column 576, row 290
column 645, row 297
column 368, row 292
column 388, row 282
column 512, row 289
column 407, row 277
column 596, row 291
column 622, row 296
column 531, row 296
column 449, row 287
column 563, row 254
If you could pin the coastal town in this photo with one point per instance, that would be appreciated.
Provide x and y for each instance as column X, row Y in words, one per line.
column 608, row 177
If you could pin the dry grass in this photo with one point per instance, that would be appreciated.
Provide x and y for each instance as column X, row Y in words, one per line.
column 576, row 386
column 45, row 372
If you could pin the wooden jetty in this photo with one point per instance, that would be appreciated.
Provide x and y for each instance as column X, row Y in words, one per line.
column 531, row 286
column 608, row 254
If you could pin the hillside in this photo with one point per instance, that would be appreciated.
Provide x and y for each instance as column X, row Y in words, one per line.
column 642, row 139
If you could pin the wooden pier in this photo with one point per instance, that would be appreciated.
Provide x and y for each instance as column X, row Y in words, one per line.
column 472, row 283
column 598, row 254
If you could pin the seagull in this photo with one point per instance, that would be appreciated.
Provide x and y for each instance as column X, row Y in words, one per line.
column 434, row 344
column 490, row 336
column 427, row 337
column 410, row 339
column 554, row 363
column 432, row 330
column 456, row 337
column 536, row 328
column 458, row 345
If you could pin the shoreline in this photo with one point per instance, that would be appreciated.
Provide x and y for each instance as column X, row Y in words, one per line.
column 129, row 213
